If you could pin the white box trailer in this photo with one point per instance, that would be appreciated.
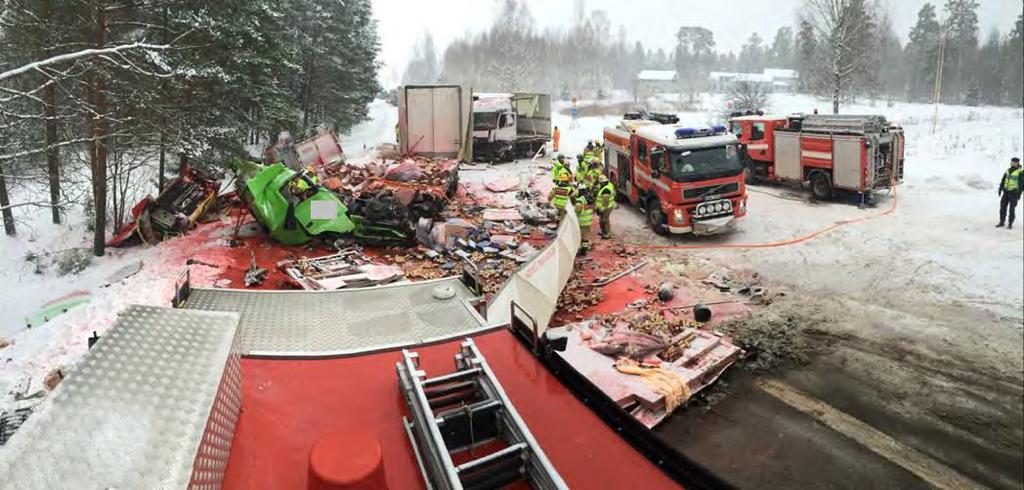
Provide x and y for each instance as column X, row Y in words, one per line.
column 434, row 121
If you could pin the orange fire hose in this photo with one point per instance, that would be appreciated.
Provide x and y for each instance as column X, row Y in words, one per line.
column 804, row 238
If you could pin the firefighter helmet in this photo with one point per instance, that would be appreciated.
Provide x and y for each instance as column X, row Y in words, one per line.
column 602, row 178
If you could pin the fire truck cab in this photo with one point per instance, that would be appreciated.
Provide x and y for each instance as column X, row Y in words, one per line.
column 687, row 180
column 850, row 153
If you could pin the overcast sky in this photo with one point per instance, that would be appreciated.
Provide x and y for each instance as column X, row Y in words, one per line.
column 653, row 22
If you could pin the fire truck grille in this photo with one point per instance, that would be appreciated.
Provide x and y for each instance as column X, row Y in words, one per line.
column 714, row 190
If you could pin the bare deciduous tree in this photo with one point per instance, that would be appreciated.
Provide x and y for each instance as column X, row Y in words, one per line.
column 844, row 30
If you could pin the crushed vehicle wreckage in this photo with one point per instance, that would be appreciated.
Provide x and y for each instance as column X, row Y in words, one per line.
column 174, row 211
column 331, row 198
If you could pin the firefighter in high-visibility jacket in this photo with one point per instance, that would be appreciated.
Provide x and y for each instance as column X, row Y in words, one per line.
column 562, row 194
column 605, row 203
column 588, row 176
column 558, row 168
column 585, row 216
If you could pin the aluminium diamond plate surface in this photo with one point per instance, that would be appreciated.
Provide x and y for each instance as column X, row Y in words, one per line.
column 311, row 324
column 152, row 405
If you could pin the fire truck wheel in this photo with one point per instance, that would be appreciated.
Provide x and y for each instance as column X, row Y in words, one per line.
column 656, row 217
column 749, row 175
column 821, row 185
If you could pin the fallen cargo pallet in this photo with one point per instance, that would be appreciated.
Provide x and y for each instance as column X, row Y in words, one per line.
column 346, row 269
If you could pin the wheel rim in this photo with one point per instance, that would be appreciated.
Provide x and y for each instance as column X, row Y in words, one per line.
column 820, row 186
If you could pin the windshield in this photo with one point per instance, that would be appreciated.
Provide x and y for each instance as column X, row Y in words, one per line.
column 485, row 120
column 704, row 163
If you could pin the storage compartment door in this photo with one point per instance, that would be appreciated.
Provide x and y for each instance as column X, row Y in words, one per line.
column 787, row 157
column 847, row 163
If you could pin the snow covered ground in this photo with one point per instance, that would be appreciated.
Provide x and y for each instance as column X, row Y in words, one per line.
column 940, row 243
column 939, row 246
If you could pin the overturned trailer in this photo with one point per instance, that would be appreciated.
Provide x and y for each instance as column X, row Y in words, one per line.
column 321, row 148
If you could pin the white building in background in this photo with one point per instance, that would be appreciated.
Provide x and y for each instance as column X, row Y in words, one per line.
column 773, row 79
column 650, row 82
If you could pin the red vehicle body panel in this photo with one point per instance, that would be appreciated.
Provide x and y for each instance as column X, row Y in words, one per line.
column 289, row 403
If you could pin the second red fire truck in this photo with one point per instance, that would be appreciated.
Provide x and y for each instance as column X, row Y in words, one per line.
column 848, row 153
column 686, row 179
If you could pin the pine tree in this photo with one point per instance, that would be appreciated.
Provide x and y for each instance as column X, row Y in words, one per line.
column 781, row 52
column 923, row 53
column 989, row 83
column 893, row 70
column 806, row 53
column 962, row 46
column 694, row 56
column 1013, row 63
column 752, row 55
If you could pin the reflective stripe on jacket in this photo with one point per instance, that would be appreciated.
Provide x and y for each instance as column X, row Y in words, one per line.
column 561, row 194
column 606, row 197
column 584, row 213
column 1011, row 181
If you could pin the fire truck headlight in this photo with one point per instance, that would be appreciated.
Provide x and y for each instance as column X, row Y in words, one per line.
column 678, row 214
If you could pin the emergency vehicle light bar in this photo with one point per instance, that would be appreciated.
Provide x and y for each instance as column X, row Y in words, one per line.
column 697, row 132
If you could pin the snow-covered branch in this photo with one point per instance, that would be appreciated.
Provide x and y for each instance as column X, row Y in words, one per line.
column 40, row 204
column 11, row 156
column 85, row 53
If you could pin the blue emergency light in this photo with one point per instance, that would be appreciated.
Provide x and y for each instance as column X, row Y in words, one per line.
column 686, row 132
column 718, row 129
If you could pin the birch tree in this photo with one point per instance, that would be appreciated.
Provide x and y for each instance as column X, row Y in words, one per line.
column 844, row 30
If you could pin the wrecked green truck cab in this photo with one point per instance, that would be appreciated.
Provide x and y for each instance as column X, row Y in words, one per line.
column 294, row 208
column 289, row 218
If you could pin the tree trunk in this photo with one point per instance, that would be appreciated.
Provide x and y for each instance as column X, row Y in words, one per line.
column 163, row 161
column 53, row 154
column 836, row 89
column 163, row 118
column 101, row 129
column 5, row 201
column 307, row 91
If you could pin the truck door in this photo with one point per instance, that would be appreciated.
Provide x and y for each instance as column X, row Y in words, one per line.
column 447, row 133
column 644, row 180
column 419, row 112
column 506, row 130
column 757, row 148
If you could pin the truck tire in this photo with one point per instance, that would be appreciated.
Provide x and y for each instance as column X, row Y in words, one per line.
column 821, row 185
column 656, row 217
column 749, row 175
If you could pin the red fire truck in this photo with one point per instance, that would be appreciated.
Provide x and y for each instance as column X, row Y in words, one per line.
column 687, row 180
column 849, row 153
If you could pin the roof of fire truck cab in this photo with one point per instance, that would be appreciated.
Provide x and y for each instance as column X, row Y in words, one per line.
column 289, row 403
column 665, row 134
column 766, row 117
